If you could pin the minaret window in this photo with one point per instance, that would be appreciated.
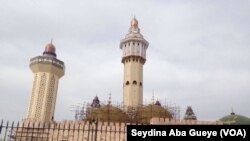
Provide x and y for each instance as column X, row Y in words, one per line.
column 140, row 84
column 127, row 83
column 134, row 82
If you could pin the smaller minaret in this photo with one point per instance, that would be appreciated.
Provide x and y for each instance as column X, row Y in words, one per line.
column 47, row 70
column 95, row 103
column 157, row 103
column 232, row 113
column 189, row 115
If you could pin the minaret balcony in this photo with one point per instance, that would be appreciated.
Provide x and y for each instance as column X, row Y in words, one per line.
column 133, row 54
column 47, row 60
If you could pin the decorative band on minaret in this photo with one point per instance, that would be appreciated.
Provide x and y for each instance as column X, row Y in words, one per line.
column 47, row 70
column 134, row 48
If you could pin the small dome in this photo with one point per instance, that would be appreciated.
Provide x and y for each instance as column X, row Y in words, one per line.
column 157, row 103
column 107, row 113
column 50, row 50
column 234, row 119
column 96, row 102
column 189, row 115
column 144, row 114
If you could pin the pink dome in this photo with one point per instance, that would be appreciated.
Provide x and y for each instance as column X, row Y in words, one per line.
column 50, row 50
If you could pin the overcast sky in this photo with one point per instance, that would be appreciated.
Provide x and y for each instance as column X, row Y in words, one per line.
column 198, row 55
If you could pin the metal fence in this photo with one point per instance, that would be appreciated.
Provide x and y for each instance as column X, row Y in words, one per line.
column 68, row 131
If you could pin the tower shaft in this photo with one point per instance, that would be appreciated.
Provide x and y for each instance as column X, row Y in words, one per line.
column 133, row 79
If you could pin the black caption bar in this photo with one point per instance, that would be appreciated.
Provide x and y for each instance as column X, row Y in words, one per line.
column 192, row 132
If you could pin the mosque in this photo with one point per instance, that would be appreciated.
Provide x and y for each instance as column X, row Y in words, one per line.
column 47, row 70
column 101, row 122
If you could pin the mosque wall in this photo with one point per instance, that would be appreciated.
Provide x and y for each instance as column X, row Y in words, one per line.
column 70, row 131
column 167, row 121
column 87, row 131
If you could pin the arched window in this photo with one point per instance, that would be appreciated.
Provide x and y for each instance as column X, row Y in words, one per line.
column 140, row 84
column 127, row 83
column 134, row 82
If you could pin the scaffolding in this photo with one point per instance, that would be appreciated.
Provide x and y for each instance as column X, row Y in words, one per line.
column 82, row 111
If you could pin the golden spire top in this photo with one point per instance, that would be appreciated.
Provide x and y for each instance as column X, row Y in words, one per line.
column 134, row 23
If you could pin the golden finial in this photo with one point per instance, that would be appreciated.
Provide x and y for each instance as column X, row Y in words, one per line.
column 109, row 102
column 134, row 23
column 153, row 98
column 232, row 113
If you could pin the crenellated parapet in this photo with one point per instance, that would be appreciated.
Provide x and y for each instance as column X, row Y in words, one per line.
column 71, row 131
column 85, row 130
column 167, row 121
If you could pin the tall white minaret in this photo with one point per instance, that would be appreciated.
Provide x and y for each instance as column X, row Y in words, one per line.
column 47, row 70
column 134, row 48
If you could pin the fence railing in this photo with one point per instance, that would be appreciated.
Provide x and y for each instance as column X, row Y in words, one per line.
column 63, row 131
